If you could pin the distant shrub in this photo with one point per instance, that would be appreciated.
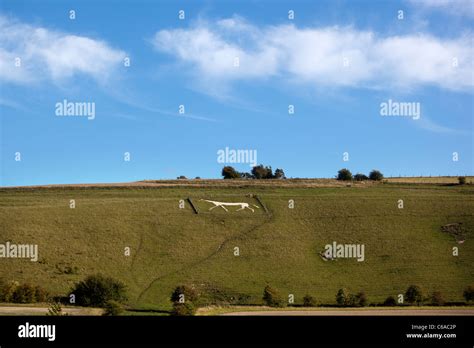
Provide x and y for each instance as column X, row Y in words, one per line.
column 360, row 177
column 113, row 308
column 183, row 309
column 437, row 299
column 184, row 294
column 390, row 301
column 375, row 175
column 469, row 293
column 361, row 299
column 414, row 294
column 182, row 177
column 462, row 180
column 272, row 297
column 24, row 293
column 244, row 299
column 41, row 294
column 344, row 175
column 279, row 174
column 97, row 290
column 229, row 172
column 309, row 301
column 55, row 309
column 345, row 298
column 7, row 290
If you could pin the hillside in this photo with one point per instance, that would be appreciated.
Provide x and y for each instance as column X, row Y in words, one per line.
column 171, row 246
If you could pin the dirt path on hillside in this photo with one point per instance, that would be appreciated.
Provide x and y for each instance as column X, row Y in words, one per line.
column 206, row 258
column 354, row 312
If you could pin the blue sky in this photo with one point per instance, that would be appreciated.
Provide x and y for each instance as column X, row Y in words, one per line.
column 336, row 62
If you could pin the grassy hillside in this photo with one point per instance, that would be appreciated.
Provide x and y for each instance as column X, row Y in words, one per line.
column 171, row 246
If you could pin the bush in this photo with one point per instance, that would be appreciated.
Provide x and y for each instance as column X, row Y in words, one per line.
column 7, row 290
column 97, row 290
column 113, row 308
column 244, row 299
column 437, row 299
column 345, row 298
column 469, row 293
column 344, row 175
column 462, row 180
column 182, row 309
column 229, row 172
column 360, row 177
column 375, row 175
column 414, row 294
column 41, row 295
column 361, row 299
column 24, row 293
column 55, row 309
column 272, row 297
column 190, row 294
column 309, row 301
column 390, row 301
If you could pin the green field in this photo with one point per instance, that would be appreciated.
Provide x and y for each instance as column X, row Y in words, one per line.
column 172, row 246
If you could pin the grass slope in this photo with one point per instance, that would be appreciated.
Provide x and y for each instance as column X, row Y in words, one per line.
column 171, row 246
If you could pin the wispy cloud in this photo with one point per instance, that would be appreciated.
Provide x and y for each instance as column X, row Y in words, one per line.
column 429, row 125
column 453, row 7
column 328, row 56
column 52, row 55
column 127, row 98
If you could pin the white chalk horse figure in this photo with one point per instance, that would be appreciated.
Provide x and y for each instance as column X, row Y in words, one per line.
column 223, row 204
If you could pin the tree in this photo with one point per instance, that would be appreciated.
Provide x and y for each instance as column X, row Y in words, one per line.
column 279, row 174
column 24, row 293
column 361, row 299
column 113, row 308
column 375, row 175
column 184, row 294
column 414, row 294
column 272, row 297
column 7, row 290
column 344, row 174
column 309, row 301
column 229, row 172
column 344, row 297
column 437, row 298
column 97, row 290
column 462, row 180
column 469, row 293
column 182, row 309
column 360, row 177
column 41, row 295
column 261, row 172
column 390, row 301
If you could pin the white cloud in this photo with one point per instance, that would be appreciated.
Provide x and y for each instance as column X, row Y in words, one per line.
column 317, row 55
column 48, row 54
